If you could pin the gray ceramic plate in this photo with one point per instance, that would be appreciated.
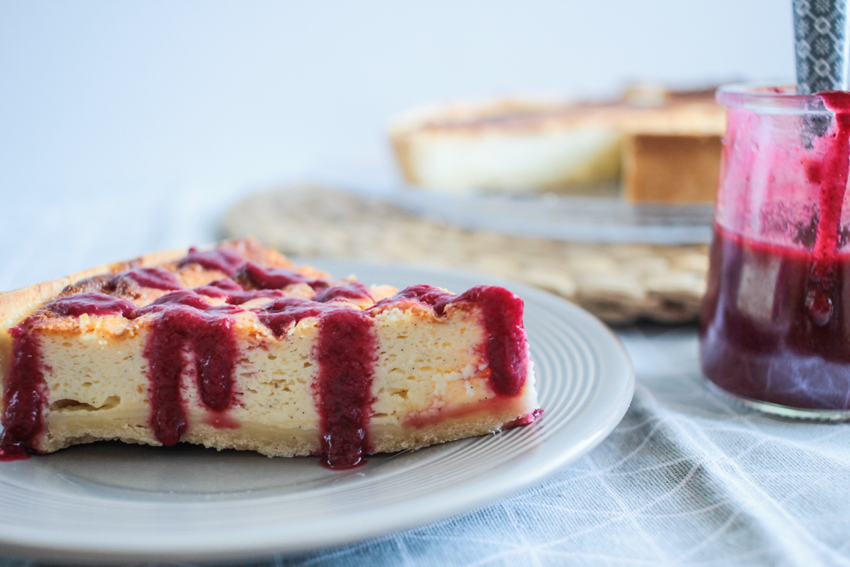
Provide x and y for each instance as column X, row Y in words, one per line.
column 114, row 502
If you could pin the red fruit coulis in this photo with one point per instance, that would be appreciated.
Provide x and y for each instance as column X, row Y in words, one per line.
column 783, row 339
column 24, row 396
column 184, row 323
column 346, row 354
column 502, row 312
column 155, row 278
column 233, row 293
column 91, row 303
column 221, row 259
column 261, row 277
column 351, row 290
column 189, row 336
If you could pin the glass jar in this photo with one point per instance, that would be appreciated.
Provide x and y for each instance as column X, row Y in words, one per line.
column 775, row 322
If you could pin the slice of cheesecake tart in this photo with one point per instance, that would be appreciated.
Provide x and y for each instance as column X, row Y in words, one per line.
column 238, row 348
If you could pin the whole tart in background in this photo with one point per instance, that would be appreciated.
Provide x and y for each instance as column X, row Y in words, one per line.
column 659, row 145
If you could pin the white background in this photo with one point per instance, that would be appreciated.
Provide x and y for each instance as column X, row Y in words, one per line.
column 127, row 105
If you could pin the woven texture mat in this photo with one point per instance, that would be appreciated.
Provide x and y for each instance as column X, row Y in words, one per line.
column 617, row 282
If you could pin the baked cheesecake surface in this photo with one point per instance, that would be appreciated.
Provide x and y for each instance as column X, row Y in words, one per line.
column 236, row 347
column 663, row 145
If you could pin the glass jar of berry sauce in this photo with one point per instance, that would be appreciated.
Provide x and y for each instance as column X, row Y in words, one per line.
column 775, row 323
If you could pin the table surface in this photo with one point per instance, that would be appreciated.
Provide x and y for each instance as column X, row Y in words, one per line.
column 687, row 478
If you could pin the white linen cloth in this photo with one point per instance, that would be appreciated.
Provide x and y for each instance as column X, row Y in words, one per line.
column 687, row 478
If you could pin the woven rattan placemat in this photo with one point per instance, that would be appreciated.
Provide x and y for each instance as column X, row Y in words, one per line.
column 617, row 282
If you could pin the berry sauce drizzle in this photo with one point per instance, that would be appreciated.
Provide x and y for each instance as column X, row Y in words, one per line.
column 187, row 323
column 190, row 336
column 91, row 303
column 24, row 396
column 830, row 171
column 501, row 310
column 346, row 358
column 234, row 294
column 286, row 312
column 255, row 276
column 351, row 290
column 346, row 353
column 154, row 278
column 221, row 259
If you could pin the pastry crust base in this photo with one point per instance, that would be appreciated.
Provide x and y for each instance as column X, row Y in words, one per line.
column 130, row 426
